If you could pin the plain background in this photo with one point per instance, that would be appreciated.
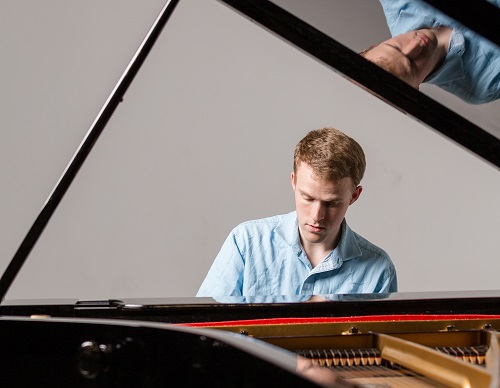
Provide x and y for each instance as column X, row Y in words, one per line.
column 204, row 140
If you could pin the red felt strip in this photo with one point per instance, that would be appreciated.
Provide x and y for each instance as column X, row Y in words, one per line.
column 365, row 318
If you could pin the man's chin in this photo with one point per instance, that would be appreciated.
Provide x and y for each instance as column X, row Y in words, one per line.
column 314, row 237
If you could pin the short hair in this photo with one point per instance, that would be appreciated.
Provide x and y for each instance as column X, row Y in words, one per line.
column 331, row 154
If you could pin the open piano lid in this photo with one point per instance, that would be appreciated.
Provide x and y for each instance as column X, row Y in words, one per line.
column 340, row 59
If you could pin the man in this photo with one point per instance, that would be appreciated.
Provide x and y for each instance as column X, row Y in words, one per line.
column 311, row 251
column 428, row 46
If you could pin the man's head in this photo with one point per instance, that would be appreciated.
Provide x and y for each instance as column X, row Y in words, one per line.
column 411, row 56
column 328, row 167
column 331, row 154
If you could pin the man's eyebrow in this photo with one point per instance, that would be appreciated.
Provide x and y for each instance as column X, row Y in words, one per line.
column 394, row 47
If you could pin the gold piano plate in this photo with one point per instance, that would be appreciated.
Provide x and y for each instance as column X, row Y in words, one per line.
column 390, row 352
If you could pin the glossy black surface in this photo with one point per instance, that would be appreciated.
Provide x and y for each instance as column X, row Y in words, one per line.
column 79, row 353
column 185, row 310
column 478, row 15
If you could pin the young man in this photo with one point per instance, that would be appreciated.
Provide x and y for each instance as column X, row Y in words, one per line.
column 428, row 46
column 311, row 251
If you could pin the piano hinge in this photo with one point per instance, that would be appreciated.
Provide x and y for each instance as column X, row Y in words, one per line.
column 107, row 303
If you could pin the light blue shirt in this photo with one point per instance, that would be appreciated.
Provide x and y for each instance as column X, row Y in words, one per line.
column 265, row 257
column 471, row 69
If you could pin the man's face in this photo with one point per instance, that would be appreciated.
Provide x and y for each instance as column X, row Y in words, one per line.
column 411, row 56
column 321, row 205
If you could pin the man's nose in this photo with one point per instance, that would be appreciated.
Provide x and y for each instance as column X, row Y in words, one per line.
column 318, row 211
column 412, row 48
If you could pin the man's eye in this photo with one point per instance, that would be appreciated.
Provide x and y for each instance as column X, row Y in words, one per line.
column 333, row 204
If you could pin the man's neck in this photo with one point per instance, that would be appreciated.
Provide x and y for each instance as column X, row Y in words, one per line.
column 316, row 252
column 443, row 36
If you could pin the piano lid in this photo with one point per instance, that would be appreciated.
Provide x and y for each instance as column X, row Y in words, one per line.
column 461, row 305
column 204, row 139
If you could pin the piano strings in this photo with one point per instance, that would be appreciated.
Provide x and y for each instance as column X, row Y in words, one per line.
column 372, row 356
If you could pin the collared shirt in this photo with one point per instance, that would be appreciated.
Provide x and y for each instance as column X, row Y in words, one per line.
column 471, row 69
column 265, row 257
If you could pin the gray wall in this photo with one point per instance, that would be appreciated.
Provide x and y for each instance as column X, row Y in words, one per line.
column 204, row 140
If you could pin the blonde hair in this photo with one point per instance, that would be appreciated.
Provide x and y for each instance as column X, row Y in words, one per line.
column 331, row 154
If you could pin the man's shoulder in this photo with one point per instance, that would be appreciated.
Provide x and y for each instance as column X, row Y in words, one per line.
column 263, row 224
column 368, row 248
column 264, row 233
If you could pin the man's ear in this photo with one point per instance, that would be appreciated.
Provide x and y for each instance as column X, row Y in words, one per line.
column 292, row 176
column 355, row 195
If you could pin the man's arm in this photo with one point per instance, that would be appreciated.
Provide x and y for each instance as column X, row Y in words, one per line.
column 407, row 15
column 225, row 277
column 389, row 283
column 391, row 11
column 393, row 281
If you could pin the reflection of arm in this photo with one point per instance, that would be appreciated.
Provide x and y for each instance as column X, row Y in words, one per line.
column 391, row 10
column 225, row 277
column 405, row 15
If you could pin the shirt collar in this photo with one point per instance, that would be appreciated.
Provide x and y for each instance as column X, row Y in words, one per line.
column 288, row 230
column 452, row 67
column 347, row 248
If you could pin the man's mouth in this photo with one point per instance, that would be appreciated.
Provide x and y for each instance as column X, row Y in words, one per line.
column 315, row 229
column 424, row 39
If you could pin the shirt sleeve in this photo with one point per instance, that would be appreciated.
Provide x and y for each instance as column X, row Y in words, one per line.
column 225, row 277
column 390, row 280
column 393, row 281
column 406, row 15
column 392, row 9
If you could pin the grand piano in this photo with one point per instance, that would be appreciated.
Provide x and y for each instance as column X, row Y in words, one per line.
column 417, row 339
